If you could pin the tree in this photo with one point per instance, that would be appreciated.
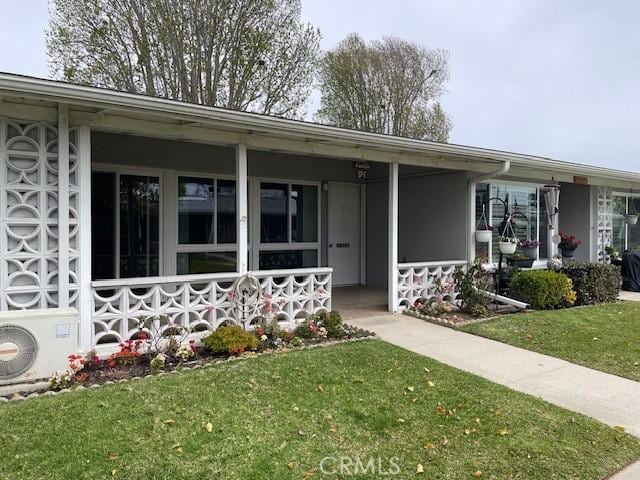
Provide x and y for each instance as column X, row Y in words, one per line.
column 253, row 55
column 387, row 86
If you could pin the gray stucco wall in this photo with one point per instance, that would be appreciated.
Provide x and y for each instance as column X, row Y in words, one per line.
column 432, row 218
column 575, row 216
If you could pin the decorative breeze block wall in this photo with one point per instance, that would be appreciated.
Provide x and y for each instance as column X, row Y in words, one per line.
column 29, row 215
column 605, row 221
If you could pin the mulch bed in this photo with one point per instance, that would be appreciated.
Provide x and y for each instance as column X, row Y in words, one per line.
column 139, row 368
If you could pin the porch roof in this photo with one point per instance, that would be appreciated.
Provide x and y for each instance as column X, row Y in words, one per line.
column 110, row 110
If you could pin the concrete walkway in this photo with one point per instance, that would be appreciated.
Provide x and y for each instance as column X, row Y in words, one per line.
column 608, row 398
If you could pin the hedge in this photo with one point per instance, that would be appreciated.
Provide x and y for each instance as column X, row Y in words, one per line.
column 594, row 282
column 543, row 289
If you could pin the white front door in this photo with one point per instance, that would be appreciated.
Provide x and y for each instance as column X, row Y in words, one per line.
column 343, row 232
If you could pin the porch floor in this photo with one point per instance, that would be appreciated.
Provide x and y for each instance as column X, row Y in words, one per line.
column 359, row 301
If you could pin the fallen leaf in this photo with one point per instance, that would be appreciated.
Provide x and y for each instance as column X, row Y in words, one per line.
column 113, row 473
column 504, row 432
column 113, row 456
column 445, row 441
column 427, row 370
column 477, row 420
column 291, row 465
column 309, row 474
column 419, row 468
column 401, row 420
column 333, row 429
column 209, row 427
column 319, row 388
column 411, row 389
column 431, row 384
column 618, row 428
column 295, row 409
column 169, row 421
column 477, row 474
column 429, row 445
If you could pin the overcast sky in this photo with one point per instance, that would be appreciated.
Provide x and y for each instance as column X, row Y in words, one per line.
column 545, row 77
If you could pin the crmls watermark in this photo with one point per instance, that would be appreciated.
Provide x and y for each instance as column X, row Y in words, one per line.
column 360, row 466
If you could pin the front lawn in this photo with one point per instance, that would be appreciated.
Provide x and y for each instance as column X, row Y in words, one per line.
column 604, row 337
column 278, row 416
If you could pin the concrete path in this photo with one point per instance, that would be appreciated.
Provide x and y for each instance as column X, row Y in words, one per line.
column 608, row 398
column 629, row 296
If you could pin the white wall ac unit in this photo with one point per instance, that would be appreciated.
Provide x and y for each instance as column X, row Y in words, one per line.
column 34, row 344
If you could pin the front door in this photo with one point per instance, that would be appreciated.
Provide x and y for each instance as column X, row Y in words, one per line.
column 344, row 232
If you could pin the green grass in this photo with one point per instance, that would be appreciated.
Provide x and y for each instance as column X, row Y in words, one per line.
column 604, row 337
column 277, row 416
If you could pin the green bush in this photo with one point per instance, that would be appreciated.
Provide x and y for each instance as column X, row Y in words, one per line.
column 232, row 339
column 469, row 283
column 543, row 289
column 332, row 321
column 594, row 282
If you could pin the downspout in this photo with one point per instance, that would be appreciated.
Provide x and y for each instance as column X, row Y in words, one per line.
column 471, row 195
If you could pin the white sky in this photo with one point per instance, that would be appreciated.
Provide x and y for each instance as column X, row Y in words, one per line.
column 544, row 77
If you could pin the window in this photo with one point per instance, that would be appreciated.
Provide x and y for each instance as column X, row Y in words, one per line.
column 527, row 206
column 289, row 230
column 206, row 225
column 625, row 237
column 125, row 223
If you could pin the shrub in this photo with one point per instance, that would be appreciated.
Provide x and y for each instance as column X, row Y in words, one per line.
column 332, row 322
column 594, row 282
column 232, row 339
column 469, row 283
column 543, row 289
column 307, row 329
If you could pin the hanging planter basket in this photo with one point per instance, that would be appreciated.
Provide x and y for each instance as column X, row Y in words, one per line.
column 631, row 218
column 508, row 242
column 484, row 232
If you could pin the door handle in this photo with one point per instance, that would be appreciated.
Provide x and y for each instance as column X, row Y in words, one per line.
column 343, row 245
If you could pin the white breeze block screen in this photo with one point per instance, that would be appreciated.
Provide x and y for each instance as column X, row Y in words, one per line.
column 29, row 215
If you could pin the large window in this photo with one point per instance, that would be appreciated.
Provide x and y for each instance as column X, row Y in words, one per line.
column 206, row 225
column 625, row 237
column 526, row 205
column 289, row 216
column 125, row 225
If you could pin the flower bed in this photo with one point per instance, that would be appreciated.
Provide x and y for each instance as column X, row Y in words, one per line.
column 166, row 352
column 453, row 319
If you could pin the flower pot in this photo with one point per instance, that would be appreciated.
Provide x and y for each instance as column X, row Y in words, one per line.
column 631, row 219
column 568, row 252
column 530, row 252
column 483, row 236
column 520, row 262
column 507, row 248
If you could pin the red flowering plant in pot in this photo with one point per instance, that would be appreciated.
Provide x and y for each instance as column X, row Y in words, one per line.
column 568, row 245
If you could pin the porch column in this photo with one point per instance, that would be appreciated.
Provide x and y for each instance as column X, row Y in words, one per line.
column 241, row 209
column 393, row 238
column 85, row 293
column 63, row 205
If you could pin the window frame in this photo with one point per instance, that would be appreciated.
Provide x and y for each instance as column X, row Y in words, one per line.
column 626, row 196
column 119, row 170
column 257, row 245
column 539, row 262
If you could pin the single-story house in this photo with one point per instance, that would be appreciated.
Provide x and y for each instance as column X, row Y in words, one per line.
column 123, row 205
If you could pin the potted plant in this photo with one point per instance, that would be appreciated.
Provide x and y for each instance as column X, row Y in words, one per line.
column 530, row 248
column 507, row 245
column 520, row 261
column 631, row 218
column 484, row 231
column 568, row 245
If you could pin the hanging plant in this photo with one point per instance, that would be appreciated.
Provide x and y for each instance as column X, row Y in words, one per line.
column 508, row 242
column 484, row 231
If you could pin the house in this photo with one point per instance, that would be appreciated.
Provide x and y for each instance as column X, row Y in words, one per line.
column 123, row 205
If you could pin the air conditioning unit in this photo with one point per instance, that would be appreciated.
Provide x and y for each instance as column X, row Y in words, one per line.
column 34, row 344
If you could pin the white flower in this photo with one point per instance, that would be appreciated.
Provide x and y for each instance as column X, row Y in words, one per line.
column 264, row 338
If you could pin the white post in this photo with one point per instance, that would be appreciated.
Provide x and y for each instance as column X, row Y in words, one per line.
column 471, row 222
column 85, row 293
column 241, row 209
column 63, row 205
column 393, row 237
